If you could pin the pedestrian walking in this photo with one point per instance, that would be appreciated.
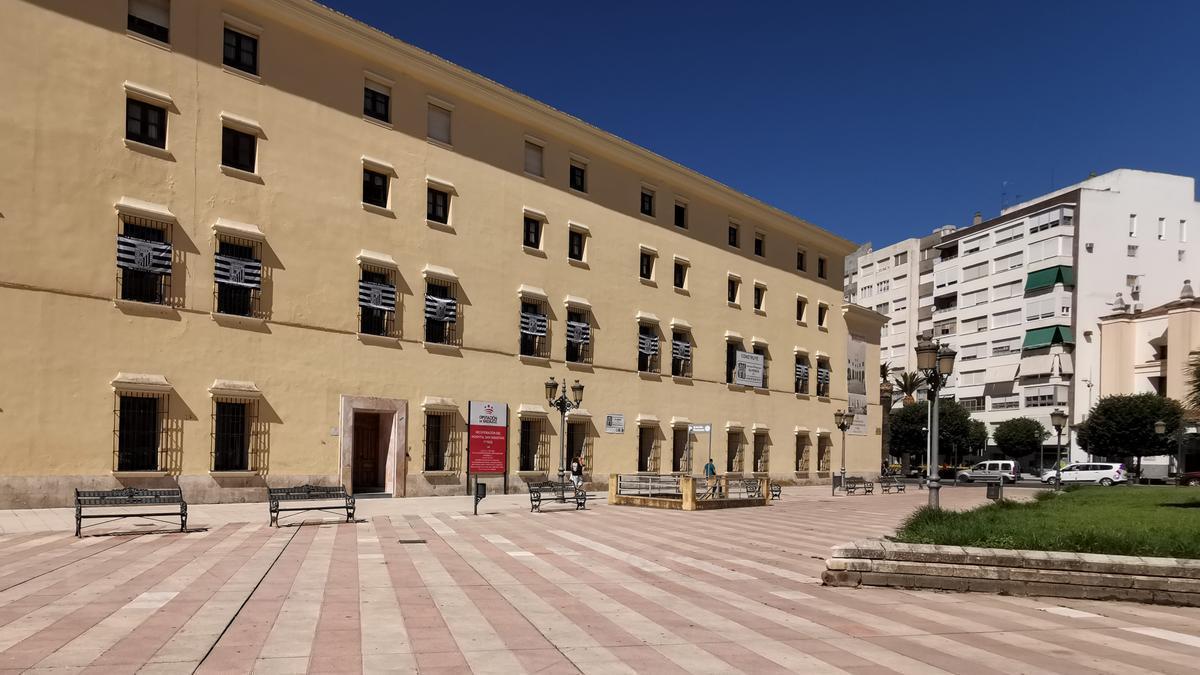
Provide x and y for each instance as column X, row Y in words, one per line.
column 577, row 472
column 710, row 478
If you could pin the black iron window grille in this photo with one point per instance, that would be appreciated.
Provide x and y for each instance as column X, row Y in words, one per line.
column 762, row 453
column 679, row 442
column 733, row 451
column 234, row 434
column 532, row 233
column 580, row 439
column 681, row 354
column 802, row 375
column 442, row 313
column 578, row 177
column 375, row 188
column 239, row 150
column 579, row 336
column 534, row 328
column 535, row 445
column 437, row 205
column 648, row 448
column 377, row 103
column 139, row 429
column 761, row 350
column 442, row 441
column 144, row 260
column 803, row 452
column 823, row 374
column 377, row 301
column 575, row 245
column 648, row 357
column 241, row 51
column 238, row 273
column 151, row 18
column 145, row 123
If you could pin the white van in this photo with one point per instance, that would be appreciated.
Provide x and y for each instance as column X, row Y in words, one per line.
column 993, row 469
column 1090, row 472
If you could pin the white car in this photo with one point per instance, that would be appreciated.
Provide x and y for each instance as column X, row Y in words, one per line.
column 995, row 469
column 1092, row 472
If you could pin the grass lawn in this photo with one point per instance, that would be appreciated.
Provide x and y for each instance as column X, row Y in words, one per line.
column 1145, row 521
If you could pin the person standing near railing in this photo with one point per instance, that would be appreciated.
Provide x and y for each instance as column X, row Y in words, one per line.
column 577, row 472
column 710, row 478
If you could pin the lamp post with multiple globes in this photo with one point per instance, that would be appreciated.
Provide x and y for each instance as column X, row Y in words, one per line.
column 936, row 363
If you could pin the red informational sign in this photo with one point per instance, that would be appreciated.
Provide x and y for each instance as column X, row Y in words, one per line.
column 487, row 437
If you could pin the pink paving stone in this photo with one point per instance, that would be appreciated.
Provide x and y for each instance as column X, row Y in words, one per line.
column 444, row 661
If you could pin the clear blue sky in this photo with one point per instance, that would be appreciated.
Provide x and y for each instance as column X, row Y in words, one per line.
column 877, row 120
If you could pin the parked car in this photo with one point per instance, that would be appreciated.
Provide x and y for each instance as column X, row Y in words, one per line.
column 1096, row 473
column 995, row 469
column 1190, row 478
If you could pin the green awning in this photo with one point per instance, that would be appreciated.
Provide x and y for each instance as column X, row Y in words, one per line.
column 1047, row 278
column 1050, row 335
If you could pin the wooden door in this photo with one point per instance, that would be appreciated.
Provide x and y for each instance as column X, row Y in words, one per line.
column 367, row 470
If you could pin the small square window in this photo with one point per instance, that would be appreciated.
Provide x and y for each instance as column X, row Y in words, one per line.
column 732, row 289
column 576, row 241
column 1131, row 250
column 801, row 261
column 241, row 51
column 681, row 270
column 437, row 205
column 377, row 100
column 533, row 233
column 735, row 235
column 760, row 295
column 646, row 265
column 760, row 244
column 238, row 149
column 375, row 188
column 822, row 266
column 578, row 176
column 438, row 121
column 647, row 202
column 533, row 159
column 145, row 123
column 681, row 220
column 151, row 18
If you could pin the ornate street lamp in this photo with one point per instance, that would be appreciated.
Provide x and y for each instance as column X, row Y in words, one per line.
column 842, row 420
column 1058, row 419
column 936, row 363
column 563, row 404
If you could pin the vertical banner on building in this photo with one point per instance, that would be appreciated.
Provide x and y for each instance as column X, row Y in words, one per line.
column 856, row 384
column 487, row 434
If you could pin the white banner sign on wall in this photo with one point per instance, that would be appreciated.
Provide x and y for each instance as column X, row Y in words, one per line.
column 856, row 384
column 748, row 369
column 614, row 423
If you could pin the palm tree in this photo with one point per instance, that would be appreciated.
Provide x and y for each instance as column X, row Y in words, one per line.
column 909, row 383
column 1193, row 380
column 885, row 371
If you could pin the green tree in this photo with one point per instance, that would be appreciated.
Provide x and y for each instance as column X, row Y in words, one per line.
column 907, row 428
column 1019, row 437
column 1123, row 426
column 908, row 383
column 977, row 437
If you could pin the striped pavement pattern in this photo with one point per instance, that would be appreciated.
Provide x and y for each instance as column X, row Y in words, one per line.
column 606, row 590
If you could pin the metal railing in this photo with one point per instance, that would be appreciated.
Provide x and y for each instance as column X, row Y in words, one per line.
column 648, row 485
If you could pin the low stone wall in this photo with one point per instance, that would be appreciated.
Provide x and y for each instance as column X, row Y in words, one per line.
column 1167, row 581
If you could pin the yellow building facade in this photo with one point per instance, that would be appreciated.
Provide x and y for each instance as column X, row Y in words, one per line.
column 258, row 243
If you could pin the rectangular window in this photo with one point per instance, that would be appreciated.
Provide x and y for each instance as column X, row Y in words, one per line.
column 439, row 440
column 579, row 335
column 1006, row 290
column 535, row 445
column 822, row 314
column 145, row 123
column 975, row 272
column 761, row 350
column 1010, row 262
column 647, row 442
column 232, row 422
column 1045, row 396
column 239, row 150
column 802, row 368
column 1006, row 319
column 899, row 304
column 377, row 100
column 884, row 286
column 1162, row 229
column 801, row 261
column 437, row 205
column 1006, row 402
column 139, row 431
column 679, row 443
column 681, row 270
column 377, row 301
column 760, row 245
column 801, row 309
column 576, row 242
column 533, row 233
column 375, row 188
column 533, row 158
column 901, row 258
column 945, row 327
column 437, row 122
column 1182, row 231
column 646, row 265
column 441, row 312
column 972, row 403
column 238, row 275
column 1042, row 308
column 979, row 297
column 972, row 377
column 732, row 347
column 735, row 235
column 733, row 288
column 681, row 353
column 1011, row 233
column 534, row 327
column 151, row 18
column 647, row 206
column 760, row 452
column 733, row 450
column 681, row 220
column 144, row 260
column 241, row 51
column 648, row 361
column 760, row 295
column 824, row 375
column 578, row 176
column 822, row 267
column 1131, row 250
column 1004, row 346
column 1133, row 224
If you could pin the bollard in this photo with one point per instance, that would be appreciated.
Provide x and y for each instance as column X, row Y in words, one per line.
column 480, row 493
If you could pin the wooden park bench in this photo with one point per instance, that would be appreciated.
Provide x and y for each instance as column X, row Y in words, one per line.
column 310, row 493
column 562, row 492
column 129, row 497
column 890, row 484
column 856, row 483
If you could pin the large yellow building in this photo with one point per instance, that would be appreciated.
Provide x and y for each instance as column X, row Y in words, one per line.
column 259, row 243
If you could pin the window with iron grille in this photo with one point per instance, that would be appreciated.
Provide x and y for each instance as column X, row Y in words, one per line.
column 735, row 235
column 681, row 220
column 145, row 123
column 646, row 265
column 138, row 429
column 681, row 353
column 151, row 18
column 442, row 312
column 437, row 205
column 377, row 100
column 144, row 260
column 823, row 377
column 647, row 205
column 647, row 448
column 802, row 368
column 579, row 442
column 803, row 452
column 761, row 350
column 578, row 176
column 647, row 348
column 824, row 453
column 233, row 425
column 375, row 188
column 679, row 444
column 534, row 327
column 732, row 347
column 238, row 149
column 442, row 441
column 733, row 450
column 535, row 445
column 579, row 335
column 237, row 270
column 762, row 452
column 576, row 244
column 377, row 301
column 533, row 233
column 241, row 51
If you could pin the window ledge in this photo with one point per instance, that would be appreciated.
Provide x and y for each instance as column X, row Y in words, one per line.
column 648, row 282
column 141, row 474
column 534, row 360
column 152, row 150
column 578, row 192
column 239, row 472
column 165, row 46
column 532, row 474
column 145, row 308
column 735, row 305
column 257, row 79
column 582, row 264
column 442, row 348
column 534, row 176
column 379, row 340
column 580, row 366
column 440, row 143
column 682, row 291
column 438, row 225
column 649, row 376
column 760, row 312
column 736, row 387
column 378, row 122
column 802, row 324
column 378, row 210
column 238, row 321
column 824, row 399
column 535, row 252
column 239, row 173
column 439, row 474
column 824, row 329
column 803, row 397
column 681, row 379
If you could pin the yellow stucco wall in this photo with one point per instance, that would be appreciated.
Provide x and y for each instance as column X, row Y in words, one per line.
column 65, row 164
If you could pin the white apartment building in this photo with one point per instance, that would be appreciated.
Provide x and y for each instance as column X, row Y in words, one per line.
column 1020, row 296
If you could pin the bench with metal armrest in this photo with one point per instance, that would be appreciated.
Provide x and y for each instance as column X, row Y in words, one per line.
column 309, row 493
column 93, row 499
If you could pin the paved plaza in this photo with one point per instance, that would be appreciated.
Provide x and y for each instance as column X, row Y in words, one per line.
column 424, row 586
